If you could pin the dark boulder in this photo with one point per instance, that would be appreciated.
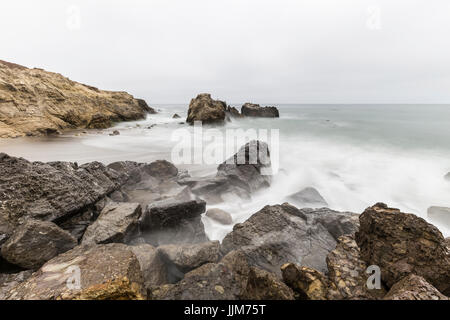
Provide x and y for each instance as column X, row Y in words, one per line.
column 400, row 244
column 308, row 197
column 35, row 242
column 203, row 108
column 255, row 110
column 118, row 222
column 172, row 221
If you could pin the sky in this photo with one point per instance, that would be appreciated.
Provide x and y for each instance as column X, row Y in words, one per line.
column 277, row 51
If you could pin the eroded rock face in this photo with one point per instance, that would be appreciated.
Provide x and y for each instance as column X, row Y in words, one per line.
column 173, row 222
column 107, row 272
column 263, row 285
column 249, row 168
column 203, row 108
column 414, row 287
column 280, row 234
column 400, row 244
column 233, row 112
column 347, row 272
column 183, row 258
column 36, row 242
column 308, row 283
column 255, row 110
column 52, row 191
column 308, row 197
column 118, row 223
column 35, row 102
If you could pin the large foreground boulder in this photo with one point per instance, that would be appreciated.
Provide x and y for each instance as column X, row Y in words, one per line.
column 255, row 110
column 280, row 234
column 173, row 222
column 107, row 272
column 401, row 244
column 36, row 102
column 203, row 108
column 118, row 222
column 414, row 287
column 35, row 242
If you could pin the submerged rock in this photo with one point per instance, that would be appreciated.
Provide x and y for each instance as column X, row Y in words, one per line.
column 203, row 108
column 308, row 197
column 255, row 110
column 36, row 242
column 414, row 287
column 37, row 102
column 440, row 215
column 176, row 116
column 115, row 133
column 118, row 222
column 102, row 272
column 400, row 244
column 219, row 215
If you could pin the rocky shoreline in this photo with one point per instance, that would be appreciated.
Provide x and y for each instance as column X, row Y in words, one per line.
column 134, row 231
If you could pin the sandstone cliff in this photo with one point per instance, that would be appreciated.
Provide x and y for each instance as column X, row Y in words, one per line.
column 35, row 102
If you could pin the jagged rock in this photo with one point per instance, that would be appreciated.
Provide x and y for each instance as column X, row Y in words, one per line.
column 183, row 258
column 414, row 287
column 249, row 168
column 230, row 279
column 205, row 109
column 35, row 242
column 219, row 215
column 118, row 222
column 263, row 285
column 308, row 197
column 35, row 102
column 308, row 283
column 153, row 268
column 440, row 215
column 173, row 222
column 347, row 272
column 279, row 234
column 54, row 191
column 255, row 110
column 107, row 272
column 232, row 111
column 176, row 116
column 9, row 281
column 400, row 244
column 337, row 223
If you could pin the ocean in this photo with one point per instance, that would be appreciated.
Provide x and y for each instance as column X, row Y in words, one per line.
column 354, row 155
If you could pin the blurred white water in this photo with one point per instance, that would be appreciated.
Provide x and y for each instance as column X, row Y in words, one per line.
column 354, row 156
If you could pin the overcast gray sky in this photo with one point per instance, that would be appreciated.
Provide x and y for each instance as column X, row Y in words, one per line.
column 277, row 51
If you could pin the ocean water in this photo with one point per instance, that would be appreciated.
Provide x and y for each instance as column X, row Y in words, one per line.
column 354, row 155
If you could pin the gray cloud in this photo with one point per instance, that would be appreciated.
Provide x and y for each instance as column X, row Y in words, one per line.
column 167, row 51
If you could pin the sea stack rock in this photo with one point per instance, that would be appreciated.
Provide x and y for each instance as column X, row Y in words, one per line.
column 255, row 110
column 36, row 102
column 203, row 108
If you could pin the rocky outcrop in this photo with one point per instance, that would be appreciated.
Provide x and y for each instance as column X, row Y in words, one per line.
column 249, row 168
column 118, row 223
column 255, row 110
column 337, row 223
column 107, row 272
column 233, row 112
column 173, row 222
column 414, row 287
column 35, row 102
column 401, row 244
column 308, row 197
column 439, row 215
column 203, row 108
column 183, row 258
column 53, row 191
column 219, row 215
column 280, row 234
column 36, row 242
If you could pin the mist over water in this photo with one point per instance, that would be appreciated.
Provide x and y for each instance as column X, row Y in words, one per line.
column 354, row 155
